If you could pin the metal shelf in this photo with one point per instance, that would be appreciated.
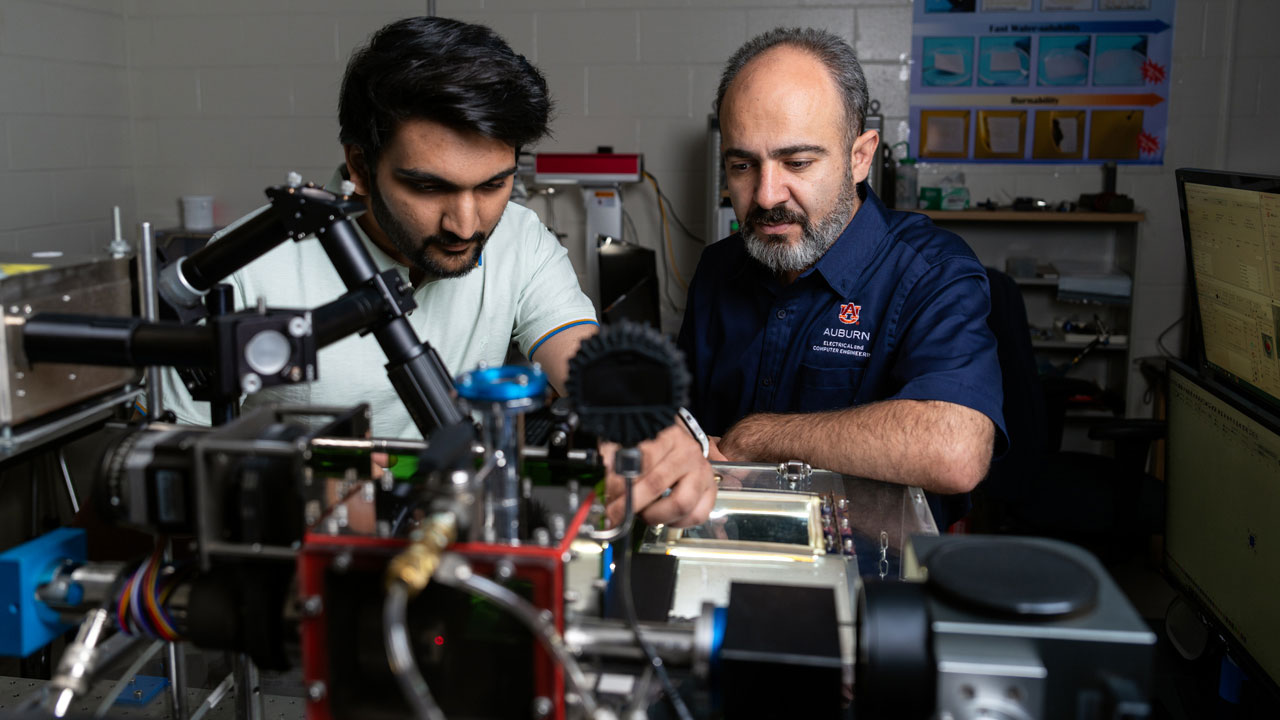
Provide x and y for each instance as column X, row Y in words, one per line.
column 1033, row 216
column 1073, row 345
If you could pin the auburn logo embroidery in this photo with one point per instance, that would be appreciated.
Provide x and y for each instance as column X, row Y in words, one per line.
column 849, row 313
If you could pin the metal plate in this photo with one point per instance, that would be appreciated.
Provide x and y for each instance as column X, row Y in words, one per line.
column 95, row 286
column 16, row 691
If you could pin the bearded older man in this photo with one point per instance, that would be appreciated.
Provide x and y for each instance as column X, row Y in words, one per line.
column 830, row 329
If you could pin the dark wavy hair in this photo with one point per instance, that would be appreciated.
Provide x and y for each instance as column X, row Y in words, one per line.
column 461, row 75
column 828, row 48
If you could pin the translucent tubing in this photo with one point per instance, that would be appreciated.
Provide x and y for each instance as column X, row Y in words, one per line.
column 456, row 572
column 400, row 655
column 407, row 575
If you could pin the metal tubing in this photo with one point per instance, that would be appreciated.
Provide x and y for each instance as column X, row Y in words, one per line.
column 248, row 690
column 176, row 665
column 215, row 697
column 502, row 492
column 82, row 658
column 96, row 581
column 403, row 446
column 613, row 639
column 147, row 269
column 394, row 446
column 66, row 477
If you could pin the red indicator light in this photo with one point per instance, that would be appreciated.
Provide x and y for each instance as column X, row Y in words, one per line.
column 439, row 639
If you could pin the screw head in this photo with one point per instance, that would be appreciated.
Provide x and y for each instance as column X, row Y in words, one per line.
column 250, row 383
column 312, row 606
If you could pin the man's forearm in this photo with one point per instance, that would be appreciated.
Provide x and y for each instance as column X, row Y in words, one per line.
column 939, row 446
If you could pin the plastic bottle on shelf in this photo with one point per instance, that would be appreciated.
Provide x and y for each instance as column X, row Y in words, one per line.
column 906, row 183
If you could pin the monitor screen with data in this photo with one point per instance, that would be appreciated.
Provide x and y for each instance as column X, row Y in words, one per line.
column 1231, row 225
column 1222, row 531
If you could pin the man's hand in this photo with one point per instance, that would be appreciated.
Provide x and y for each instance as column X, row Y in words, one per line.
column 671, row 460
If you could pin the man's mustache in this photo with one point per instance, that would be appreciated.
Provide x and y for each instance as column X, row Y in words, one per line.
column 445, row 237
column 777, row 215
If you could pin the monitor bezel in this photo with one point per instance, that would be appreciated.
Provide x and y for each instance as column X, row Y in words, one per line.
column 1234, row 181
column 1269, row 420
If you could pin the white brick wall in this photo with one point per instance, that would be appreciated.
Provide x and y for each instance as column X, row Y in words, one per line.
column 138, row 102
column 64, row 114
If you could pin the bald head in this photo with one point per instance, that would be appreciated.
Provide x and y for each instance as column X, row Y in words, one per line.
column 783, row 90
column 835, row 59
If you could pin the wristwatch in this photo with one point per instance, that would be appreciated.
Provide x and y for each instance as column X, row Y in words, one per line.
column 695, row 429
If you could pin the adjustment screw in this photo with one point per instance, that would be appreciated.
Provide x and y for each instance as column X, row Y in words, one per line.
column 312, row 606
column 250, row 383
column 299, row 327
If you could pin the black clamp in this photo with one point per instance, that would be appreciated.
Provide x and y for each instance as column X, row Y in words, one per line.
column 308, row 210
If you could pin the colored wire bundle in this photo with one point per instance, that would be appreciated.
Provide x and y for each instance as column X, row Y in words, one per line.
column 666, row 231
column 141, row 610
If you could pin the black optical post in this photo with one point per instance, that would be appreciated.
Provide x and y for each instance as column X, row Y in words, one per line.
column 419, row 376
column 376, row 302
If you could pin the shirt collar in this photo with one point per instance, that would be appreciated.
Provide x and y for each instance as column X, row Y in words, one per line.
column 843, row 264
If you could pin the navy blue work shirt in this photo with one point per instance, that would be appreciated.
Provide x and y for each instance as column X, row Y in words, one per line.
column 896, row 308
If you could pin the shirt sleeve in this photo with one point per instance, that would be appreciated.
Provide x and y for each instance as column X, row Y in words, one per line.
column 688, row 340
column 174, row 396
column 550, row 300
column 947, row 352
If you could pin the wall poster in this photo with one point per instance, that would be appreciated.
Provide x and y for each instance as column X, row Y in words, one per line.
column 1041, row 81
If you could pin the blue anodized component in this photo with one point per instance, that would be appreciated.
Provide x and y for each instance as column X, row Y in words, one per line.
column 721, row 618
column 26, row 624
column 499, row 395
column 503, row 383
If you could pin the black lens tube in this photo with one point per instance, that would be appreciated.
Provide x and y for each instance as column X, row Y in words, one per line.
column 119, row 342
column 416, row 371
column 254, row 238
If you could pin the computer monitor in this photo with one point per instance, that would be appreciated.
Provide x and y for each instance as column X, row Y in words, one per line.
column 1222, row 533
column 1231, row 227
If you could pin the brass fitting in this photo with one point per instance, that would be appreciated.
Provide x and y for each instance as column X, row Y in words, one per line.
column 415, row 566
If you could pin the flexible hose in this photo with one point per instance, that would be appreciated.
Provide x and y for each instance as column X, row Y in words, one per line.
column 455, row 572
column 400, row 654
column 629, row 606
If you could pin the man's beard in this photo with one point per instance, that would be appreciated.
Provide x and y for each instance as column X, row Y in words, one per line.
column 775, row 253
column 415, row 249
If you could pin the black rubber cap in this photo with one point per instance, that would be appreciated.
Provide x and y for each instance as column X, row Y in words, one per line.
column 895, row 675
column 1016, row 580
column 627, row 382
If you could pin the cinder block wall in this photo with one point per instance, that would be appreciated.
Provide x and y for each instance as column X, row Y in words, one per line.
column 67, row 155
column 138, row 102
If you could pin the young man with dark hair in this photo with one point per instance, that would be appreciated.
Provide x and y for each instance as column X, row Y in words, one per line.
column 433, row 113
column 831, row 329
